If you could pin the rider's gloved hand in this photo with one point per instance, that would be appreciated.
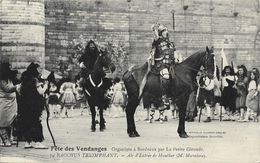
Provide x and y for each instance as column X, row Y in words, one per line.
column 81, row 65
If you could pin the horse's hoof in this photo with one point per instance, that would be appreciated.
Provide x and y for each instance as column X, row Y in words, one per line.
column 102, row 128
column 93, row 128
column 131, row 135
column 136, row 134
column 190, row 120
column 184, row 135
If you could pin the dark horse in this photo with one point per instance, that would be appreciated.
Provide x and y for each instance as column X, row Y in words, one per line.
column 95, row 86
column 182, row 83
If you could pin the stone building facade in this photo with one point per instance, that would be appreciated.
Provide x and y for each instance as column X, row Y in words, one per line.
column 22, row 38
column 32, row 29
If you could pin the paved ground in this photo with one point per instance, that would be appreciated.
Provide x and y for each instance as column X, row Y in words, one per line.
column 220, row 142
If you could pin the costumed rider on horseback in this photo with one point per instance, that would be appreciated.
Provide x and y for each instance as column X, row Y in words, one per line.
column 87, row 60
column 162, row 56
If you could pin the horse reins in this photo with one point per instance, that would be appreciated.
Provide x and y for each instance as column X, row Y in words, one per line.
column 93, row 84
column 206, row 66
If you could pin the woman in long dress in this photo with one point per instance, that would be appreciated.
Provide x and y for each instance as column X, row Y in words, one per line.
column 68, row 98
column 241, row 87
column 117, row 99
column 252, row 98
column 8, row 103
column 31, row 105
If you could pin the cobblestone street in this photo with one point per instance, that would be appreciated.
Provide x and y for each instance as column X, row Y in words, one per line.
column 215, row 142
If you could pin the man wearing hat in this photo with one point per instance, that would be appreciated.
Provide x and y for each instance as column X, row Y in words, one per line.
column 162, row 56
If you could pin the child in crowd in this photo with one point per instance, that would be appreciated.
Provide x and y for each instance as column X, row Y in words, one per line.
column 68, row 98
column 80, row 97
column 117, row 99
column 53, row 101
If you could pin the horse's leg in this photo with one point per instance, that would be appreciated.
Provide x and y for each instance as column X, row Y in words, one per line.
column 102, row 125
column 147, row 114
column 182, row 103
column 93, row 116
column 130, row 111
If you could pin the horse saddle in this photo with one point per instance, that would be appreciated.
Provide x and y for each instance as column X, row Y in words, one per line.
column 141, row 75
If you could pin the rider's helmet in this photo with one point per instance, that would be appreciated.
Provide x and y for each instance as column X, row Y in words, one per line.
column 161, row 28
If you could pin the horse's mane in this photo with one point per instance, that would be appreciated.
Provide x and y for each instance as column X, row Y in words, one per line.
column 188, row 66
column 134, row 67
column 191, row 58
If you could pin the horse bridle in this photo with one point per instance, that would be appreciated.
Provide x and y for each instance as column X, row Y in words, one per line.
column 204, row 73
column 206, row 67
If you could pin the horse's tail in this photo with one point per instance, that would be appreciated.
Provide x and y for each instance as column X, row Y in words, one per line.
column 131, row 85
column 128, row 74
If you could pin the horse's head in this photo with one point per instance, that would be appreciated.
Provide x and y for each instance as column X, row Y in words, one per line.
column 104, row 62
column 209, row 62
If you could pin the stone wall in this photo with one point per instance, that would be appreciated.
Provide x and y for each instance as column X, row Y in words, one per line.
column 22, row 28
column 129, row 21
column 203, row 23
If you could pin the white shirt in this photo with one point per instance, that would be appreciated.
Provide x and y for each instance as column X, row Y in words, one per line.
column 252, row 85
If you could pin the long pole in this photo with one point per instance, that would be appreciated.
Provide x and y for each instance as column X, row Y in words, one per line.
column 258, row 109
column 47, row 121
column 221, row 85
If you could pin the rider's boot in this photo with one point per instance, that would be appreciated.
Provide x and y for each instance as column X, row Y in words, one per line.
column 165, row 88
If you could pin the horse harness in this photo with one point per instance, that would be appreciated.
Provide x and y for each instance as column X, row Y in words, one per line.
column 93, row 84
